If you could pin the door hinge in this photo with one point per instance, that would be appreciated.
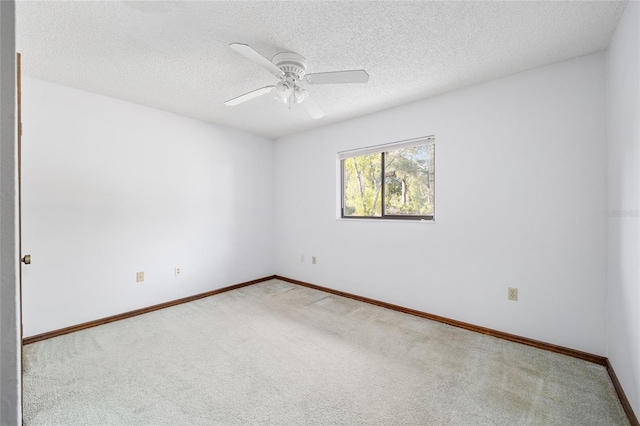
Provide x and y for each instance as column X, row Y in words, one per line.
column 20, row 129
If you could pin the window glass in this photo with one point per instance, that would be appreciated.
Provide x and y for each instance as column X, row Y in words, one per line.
column 363, row 185
column 408, row 188
column 409, row 179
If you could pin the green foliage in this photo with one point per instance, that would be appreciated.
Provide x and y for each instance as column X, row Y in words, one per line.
column 409, row 183
column 362, row 185
column 409, row 180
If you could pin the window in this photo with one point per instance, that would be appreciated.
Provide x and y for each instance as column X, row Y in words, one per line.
column 407, row 190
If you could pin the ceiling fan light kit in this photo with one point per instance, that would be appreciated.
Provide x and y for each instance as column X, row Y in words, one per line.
column 300, row 94
column 283, row 91
column 291, row 69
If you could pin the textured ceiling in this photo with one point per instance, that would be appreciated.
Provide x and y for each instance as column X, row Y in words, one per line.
column 174, row 55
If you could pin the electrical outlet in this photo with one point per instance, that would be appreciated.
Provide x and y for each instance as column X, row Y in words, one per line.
column 313, row 260
column 512, row 294
column 302, row 258
column 140, row 276
column 177, row 271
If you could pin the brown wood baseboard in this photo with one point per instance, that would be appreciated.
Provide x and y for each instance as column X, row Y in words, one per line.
column 633, row 420
column 597, row 359
column 600, row 360
column 125, row 315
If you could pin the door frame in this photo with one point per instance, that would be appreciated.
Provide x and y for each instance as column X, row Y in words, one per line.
column 19, row 156
column 10, row 360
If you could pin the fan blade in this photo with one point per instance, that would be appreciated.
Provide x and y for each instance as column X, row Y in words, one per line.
column 248, row 96
column 337, row 77
column 312, row 108
column 252, row 55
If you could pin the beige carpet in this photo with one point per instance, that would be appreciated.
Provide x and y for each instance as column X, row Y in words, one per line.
column 278, row 354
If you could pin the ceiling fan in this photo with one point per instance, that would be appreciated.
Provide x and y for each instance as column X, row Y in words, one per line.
column 290, row 68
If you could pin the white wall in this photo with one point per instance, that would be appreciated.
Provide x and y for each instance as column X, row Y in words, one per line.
column 520, row 197
column 624, row 202
column 10, row 387
column 111, row 188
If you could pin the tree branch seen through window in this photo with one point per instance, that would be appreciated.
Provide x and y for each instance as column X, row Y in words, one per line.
column 407, row 191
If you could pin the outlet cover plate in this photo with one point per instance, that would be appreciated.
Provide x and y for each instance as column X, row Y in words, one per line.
column 512, row 293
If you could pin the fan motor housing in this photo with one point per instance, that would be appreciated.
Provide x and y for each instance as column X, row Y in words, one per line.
column 291, row 64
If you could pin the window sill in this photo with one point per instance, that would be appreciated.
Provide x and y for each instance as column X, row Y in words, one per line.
column 342, row 219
